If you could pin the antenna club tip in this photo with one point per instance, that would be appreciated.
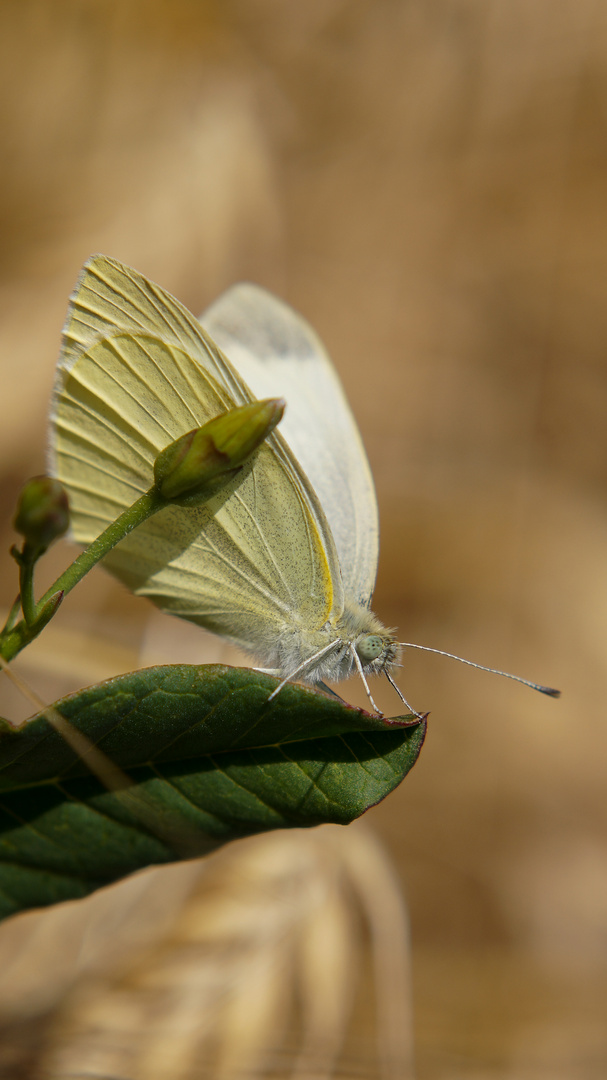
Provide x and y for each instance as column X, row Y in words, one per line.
column 549, row 691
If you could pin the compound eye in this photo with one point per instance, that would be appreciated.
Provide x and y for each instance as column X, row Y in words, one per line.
column 369, row 647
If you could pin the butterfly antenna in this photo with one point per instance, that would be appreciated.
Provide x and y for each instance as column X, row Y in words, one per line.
column 303, row 666
column 402, row 697
column 365, row 683
column 494, row 671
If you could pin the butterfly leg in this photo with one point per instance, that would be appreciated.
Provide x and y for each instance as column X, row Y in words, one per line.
column 328, row 690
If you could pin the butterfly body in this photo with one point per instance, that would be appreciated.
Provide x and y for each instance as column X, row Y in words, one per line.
column 339, row 638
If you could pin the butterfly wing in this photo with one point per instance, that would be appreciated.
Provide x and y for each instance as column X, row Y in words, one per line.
column 245, row 566
column 278, row 354
column 110, row 297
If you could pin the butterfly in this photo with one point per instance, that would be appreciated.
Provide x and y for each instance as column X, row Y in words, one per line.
column 282, row 562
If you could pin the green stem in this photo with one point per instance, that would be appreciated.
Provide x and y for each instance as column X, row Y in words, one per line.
column 26, row 588
column 13, row 641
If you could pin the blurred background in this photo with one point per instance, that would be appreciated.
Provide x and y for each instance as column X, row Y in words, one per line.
column 425, row 180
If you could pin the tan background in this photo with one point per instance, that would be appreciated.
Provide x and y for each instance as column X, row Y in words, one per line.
column 426, row 182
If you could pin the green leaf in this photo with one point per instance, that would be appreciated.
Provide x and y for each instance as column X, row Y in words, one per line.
column 208, row 758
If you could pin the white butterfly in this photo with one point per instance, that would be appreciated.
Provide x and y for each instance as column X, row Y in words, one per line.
column 283, row 561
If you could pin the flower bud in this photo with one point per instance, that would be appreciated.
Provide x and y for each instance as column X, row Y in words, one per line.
column 49, row 610
column 43, row 513
column 199, row 463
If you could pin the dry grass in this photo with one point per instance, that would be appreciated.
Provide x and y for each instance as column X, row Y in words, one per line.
column 248, row 965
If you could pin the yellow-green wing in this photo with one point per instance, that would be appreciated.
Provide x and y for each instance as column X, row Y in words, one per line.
column 250, row 564
column 278, row 353
column 110, row 297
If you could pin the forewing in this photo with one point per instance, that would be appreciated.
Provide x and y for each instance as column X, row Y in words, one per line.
column 248, row 563
column 277, row 353
column 112, row 298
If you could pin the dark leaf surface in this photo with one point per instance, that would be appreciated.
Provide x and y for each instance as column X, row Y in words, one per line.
column 208, row 758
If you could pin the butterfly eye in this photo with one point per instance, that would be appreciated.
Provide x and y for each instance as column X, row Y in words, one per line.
column 369, row 647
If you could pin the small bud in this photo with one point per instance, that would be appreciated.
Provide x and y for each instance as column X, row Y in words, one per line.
column 50, row 608
column 43, row 513
column 201, row 462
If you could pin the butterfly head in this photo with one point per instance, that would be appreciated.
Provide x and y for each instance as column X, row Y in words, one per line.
column 376, row 651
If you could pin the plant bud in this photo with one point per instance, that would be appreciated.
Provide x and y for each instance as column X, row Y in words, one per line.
column 199, row 463
column 43, row 512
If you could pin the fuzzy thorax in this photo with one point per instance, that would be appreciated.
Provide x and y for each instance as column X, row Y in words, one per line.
column 357, row 629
